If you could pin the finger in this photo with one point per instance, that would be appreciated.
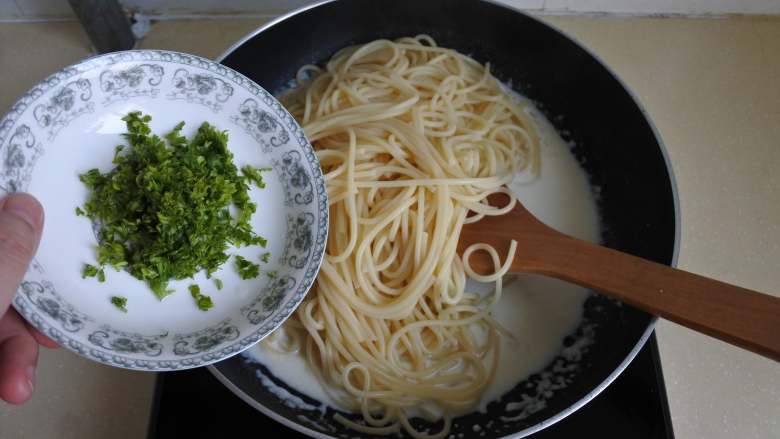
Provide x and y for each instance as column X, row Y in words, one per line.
column 40, row 337
column 18, row 358
column 21, row 224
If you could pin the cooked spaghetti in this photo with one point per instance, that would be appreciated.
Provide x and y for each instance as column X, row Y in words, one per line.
column 412, row 139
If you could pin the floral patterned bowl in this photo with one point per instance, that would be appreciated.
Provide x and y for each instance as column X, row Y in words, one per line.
column 71, row 122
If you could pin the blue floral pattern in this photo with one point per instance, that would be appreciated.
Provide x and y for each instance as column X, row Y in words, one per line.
column 66, row 104
column 204, row 340
column 207, row 90
column 138, row 80
column 123, row 342
column 50, row 303
column 300, row 240
column 269, row 299
column 261, row 125
column 295, row 178
column 18, row 158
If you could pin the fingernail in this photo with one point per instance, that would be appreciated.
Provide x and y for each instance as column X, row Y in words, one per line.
column 30, row 377
column 26, row 208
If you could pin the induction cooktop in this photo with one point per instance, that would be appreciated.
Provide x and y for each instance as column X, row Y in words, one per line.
column 193, row 404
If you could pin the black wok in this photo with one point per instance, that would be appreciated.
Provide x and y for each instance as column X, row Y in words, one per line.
column 612, row 137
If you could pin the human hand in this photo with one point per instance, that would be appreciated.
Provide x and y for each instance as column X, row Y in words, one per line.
column 21, row 225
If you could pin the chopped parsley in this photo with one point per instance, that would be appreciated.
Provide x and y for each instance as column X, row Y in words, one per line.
column 272, row 274
column 164, row 209
column 89, row 271
column 79, row 212
column 218, row 283
column 255, row 175
column 119, row 302
column 246, row 269
column 204, row 302
column 265, row 257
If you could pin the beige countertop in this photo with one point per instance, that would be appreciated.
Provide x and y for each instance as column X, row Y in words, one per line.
column 712, row 87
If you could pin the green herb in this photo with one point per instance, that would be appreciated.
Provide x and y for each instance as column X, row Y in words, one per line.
column 246, row 269
column 164, row 207
column 119, row 302
column 160, row 288
column 255, row 175
column 204, row 302
column 101, row 275
column 272, row 274
column 218, row 283
column 89, row 271
column 265, row 257
column 79, row 212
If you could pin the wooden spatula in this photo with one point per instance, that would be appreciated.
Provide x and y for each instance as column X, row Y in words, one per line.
column 735, row 315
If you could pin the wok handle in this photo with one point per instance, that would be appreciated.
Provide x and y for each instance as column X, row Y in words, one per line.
column 736, row 315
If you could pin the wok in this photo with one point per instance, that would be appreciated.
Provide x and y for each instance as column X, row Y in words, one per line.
column 611, row 136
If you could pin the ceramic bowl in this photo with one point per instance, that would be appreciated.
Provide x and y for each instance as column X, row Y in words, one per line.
column 72, row 121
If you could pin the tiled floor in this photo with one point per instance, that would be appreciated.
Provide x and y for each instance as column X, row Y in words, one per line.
column 713, row 89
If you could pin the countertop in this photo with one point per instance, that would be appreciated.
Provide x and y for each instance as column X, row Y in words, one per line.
column 712, row 87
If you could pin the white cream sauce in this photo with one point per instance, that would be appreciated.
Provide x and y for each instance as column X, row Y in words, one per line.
column 538, row 311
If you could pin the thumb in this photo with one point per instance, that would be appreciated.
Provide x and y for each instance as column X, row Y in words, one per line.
column 21, row 225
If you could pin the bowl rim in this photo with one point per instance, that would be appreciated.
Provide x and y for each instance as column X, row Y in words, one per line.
column 673, row 263
column 256, row 331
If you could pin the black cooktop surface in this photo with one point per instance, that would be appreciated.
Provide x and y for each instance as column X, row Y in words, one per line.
column 193, row 404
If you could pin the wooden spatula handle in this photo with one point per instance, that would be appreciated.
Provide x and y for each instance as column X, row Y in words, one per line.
column 739, row 316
